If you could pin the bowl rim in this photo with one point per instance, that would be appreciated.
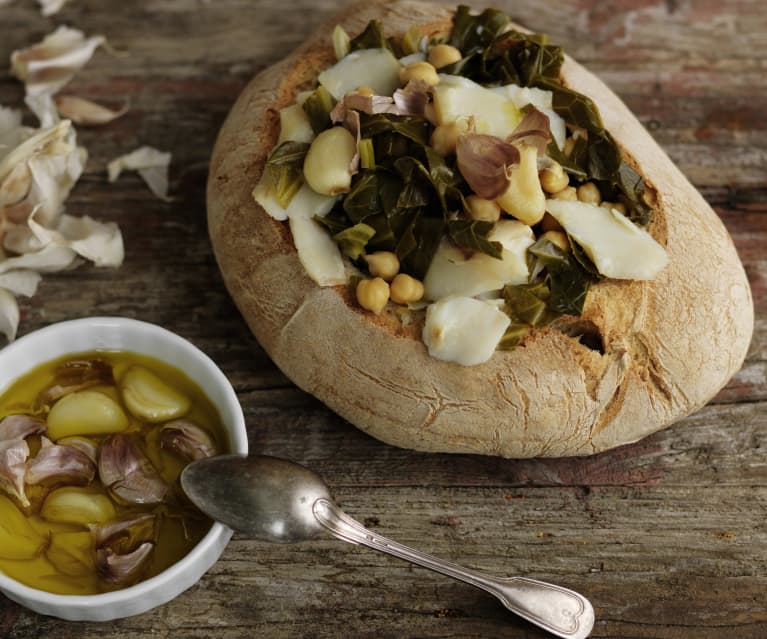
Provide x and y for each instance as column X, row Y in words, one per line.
column 209, row 543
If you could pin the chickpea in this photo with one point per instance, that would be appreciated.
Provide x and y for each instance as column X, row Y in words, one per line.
column 553, row 178
column 419, row 70
column 406, row 289
column 549, row 223
column 440, row 55
column 444, row 138
column 589, row 193
column 372, row 295
column 383, row 264
column 618, row 206
column 365, row 91
column 557, row 238
column 483, row 209
column 568, row 193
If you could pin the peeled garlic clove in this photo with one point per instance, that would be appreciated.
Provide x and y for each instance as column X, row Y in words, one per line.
column 55, row 463
column 71, row 553
column 151, row 399
column 86, row 412
column 76, row 506
column 13, row 457
column 187, row 439
column 128, row 473
column 20, row 427
column 122, row 569
column 18, row 540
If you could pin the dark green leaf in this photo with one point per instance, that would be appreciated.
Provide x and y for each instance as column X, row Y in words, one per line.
column 470, row 31
column 415, row 129
column 427, row 233
column 568, row 281
column 472, row 234
column 362, row 200
column 371, row 38
column 568, row 164
column 352, row 241
column 318, row 107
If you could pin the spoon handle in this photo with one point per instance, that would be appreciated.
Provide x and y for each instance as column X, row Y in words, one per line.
column 562, row 612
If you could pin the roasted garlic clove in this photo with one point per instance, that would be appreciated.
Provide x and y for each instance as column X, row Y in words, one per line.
column 71, row 553
column 18, row 539
column 13, row 457
column 85, row 445
column 85, row 412
column 128, row 473
column 75, row 376
column 56, row 463
column 122, row 569
column 71, row 505
column 187, row 439
column 20, row 427
column 151, row 399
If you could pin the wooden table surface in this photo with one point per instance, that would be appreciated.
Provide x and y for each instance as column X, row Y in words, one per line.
column 667, row 537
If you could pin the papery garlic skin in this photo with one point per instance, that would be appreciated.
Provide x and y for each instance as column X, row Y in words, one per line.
column 128, row 473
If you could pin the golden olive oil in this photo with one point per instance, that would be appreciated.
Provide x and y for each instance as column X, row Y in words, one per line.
column 59, row 557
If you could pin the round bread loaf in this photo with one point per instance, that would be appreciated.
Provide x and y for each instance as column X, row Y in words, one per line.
column 644, row 353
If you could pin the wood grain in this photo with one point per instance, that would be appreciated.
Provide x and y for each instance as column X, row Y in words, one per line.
column 666, row 536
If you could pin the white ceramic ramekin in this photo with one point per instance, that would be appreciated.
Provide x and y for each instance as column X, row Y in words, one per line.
column 114, row 333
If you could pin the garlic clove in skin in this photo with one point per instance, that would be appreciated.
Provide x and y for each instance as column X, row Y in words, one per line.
column 124, row 531
column 77, row 375
column 151, row 399
column 20, row 427
column 122, row 569
column 187, row 440
column 55, row 463
column 127, row 472
column 13, row 457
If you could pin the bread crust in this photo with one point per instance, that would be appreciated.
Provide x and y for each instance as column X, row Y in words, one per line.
column 669, row 345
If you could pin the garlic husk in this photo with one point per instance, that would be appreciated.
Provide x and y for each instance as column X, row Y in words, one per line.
column 20, row 427
column 128, row 532
column 77, row 375
column 187, row 440
column 122, row 569
column 86, row 446
column 128, row 474
column 86, row 112
column 150, row 398
column 87, row 412
column 152, row 165
column 60, row 464
column 13, row 457
column 70, row 505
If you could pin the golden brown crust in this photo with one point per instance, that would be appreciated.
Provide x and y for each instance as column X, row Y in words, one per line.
column 669, row 344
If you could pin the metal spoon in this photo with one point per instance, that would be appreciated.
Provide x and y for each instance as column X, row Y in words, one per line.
column 277, row 500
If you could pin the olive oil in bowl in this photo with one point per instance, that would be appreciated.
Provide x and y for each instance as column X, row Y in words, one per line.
column 91, row 448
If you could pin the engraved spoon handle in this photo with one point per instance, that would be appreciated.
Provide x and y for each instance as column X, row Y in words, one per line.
column 562, row 612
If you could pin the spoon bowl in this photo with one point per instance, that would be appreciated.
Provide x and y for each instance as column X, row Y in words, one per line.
column 266, row 498
column 277, row 500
